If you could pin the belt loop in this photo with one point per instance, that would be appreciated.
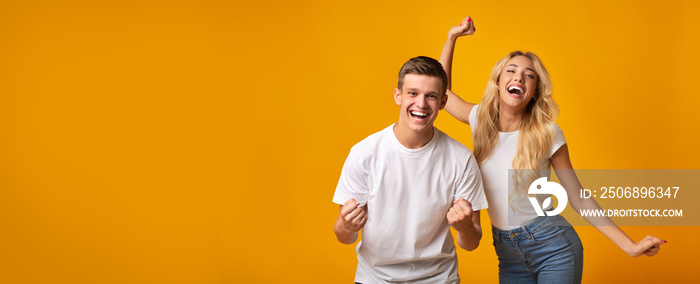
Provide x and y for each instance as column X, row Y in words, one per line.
column 526, row 232
column 496, row 234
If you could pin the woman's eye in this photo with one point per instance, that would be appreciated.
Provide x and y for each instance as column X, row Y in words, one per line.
column 530, row 76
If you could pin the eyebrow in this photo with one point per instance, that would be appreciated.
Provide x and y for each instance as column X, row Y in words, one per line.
column 516, row 65
column 418, row 90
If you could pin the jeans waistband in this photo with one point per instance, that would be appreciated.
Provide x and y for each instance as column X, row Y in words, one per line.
column 529, row 228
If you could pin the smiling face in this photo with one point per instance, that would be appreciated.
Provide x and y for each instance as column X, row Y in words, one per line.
column 517, row 84
column 420, row 98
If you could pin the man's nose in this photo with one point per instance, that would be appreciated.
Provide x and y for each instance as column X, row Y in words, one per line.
column 422, row 101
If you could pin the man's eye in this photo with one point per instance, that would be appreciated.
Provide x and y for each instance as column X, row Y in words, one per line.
column 413, row 93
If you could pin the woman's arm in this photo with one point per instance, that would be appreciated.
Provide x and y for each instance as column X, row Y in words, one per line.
column 456, row 106
column 561, row 163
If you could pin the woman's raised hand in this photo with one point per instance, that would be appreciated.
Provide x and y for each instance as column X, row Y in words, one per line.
column 466, row 27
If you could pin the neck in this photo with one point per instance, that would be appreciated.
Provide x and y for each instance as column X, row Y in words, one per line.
column 509, row 119
column 412, row 139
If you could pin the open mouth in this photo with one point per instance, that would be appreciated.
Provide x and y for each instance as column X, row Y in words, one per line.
column 515, row 90
column 418, row 114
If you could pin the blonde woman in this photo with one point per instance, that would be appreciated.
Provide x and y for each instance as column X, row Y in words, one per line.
column 513, row 128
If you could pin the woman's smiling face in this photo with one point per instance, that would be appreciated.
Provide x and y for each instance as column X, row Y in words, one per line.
column 517, row 84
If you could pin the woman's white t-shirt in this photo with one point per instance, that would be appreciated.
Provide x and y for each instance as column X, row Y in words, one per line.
column 497, row 180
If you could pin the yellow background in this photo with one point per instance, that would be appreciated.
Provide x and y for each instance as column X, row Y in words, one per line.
column 201, row 141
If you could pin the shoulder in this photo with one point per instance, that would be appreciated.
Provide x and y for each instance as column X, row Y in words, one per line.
column 472, row 116
column 555, row 127
column 451, row 144
column 374, row 140
column 557, row 132
column 558, row 139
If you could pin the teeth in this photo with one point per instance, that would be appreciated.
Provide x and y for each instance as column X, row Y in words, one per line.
column 511, row 88
column 418, row 113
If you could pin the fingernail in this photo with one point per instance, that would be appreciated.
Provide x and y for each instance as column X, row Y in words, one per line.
column 469, row 19
column 665, row 241
column 460, row 24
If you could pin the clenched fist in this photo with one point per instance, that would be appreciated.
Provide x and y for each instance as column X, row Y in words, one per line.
column 351, row 219
column 466, row 27
column 354, row 217
column 460, row 215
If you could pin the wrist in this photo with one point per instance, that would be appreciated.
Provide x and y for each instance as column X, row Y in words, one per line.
column 628, row 247
column 453, row 34
column 466, row 229
column 452, row 37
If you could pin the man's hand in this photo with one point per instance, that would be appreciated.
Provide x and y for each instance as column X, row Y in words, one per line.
column 460, row 215
column 354, row 217
column 466, row 222
column 350, row 220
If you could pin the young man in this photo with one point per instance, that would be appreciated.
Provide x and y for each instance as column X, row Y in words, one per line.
column 406, row 185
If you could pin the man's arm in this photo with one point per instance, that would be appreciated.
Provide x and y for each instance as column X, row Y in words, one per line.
column 350, row 220
column 466, row 222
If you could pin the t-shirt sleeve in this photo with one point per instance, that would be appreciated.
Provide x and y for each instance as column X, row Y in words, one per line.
column 559, row 139
column 471, row 187
column 472, row 118
column 353, row 180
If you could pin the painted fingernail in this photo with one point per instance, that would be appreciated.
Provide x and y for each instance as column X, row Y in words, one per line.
column 469, row 19
column 665, row 241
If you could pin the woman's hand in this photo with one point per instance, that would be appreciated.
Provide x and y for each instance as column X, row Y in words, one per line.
column 464, row 28
column 648, row 246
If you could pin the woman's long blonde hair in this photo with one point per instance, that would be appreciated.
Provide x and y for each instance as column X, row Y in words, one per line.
column 536, row 132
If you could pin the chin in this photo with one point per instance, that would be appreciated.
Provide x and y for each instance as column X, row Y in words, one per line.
column 422, row 128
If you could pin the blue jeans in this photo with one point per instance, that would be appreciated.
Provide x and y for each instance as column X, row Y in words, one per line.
column 546, row 250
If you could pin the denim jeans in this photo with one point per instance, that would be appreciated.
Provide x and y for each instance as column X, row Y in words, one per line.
column 546, row 250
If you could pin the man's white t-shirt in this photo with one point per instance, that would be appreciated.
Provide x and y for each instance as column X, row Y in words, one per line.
column 408, row 193
column 497, row 181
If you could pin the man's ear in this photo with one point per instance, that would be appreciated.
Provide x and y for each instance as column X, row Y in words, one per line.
column 443, row 101
column 397, row 96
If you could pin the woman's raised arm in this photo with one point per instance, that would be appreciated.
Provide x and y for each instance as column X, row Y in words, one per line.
column 456, row 106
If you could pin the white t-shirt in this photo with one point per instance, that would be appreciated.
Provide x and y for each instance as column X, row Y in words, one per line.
column 497, row 179
column 408, row 193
